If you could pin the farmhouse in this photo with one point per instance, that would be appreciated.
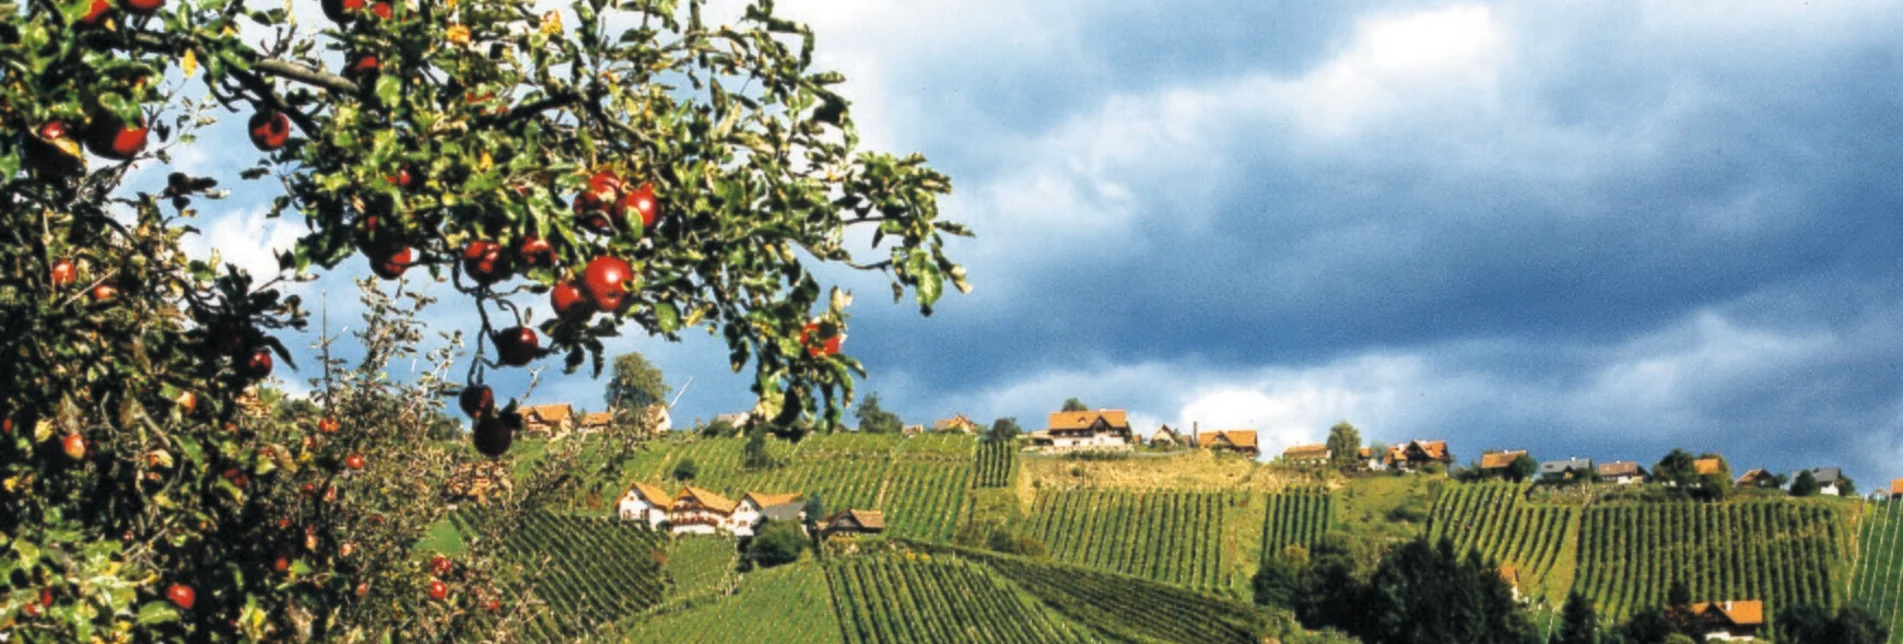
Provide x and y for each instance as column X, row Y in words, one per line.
column 698, row 511
column 1567, row 470
column 1758, row 478
column 1622, row 472
column 854, row 522
column 1073, row 430
column 957, row 423
column 1896, row 488
column 1166, row 437
column 1309, row 454
column 1370, row 461
column 645, row 503
column 1241, row 441
column 1416, row 454
column 658, row 420
column 1499, row 463
column 552, row 421
column 1710, row 465
column 756, row 508
column 1830, row 480
column 1731, row 619
column 1512, row 576
column 596, row 422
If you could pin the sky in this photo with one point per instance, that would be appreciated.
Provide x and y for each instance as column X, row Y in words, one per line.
column 1585, row 229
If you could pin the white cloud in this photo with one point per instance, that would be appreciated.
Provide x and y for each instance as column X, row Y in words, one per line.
column 245, row 237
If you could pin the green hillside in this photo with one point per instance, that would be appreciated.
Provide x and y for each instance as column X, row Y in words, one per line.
column 1536, row 540
column 915, row 598
column 1876, row 580
column 1781, row 552
column 571, row 575
column 1177, row 537
column 1296, row 518
column 790, row 605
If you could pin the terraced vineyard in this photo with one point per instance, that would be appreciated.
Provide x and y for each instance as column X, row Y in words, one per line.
column 598, row 571
column 1295, row 518
column 1127, row 608
column 1168, row 536
column 1777, row 551
column 787, row 605
column 997, row 463
column 699, row 566
column 1877, row 577
column 919, row 598
column 1534, row 539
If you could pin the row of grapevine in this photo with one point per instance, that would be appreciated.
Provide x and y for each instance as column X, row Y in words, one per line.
column 570, row 575
column 697, row 566
column 1168, row 536
column 1125, row 608
column 923, row 499
column 1490, row 518
column 1876, row 581
column 919, row 598
column 786, row 605
column 997, row 464
column 1778, row 552
column 1295, row 518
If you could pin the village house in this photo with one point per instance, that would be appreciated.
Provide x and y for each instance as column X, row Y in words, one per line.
column 599, row 421
column 1622, row 473
column 1416, row 454
column 853, row 522
column 909, row 431
column 1240, row 441
column 1511, row 575
column 1758, row 478
column 1730, row 620
column 957, row 423
column 756, row 508
column 698, row 511
column 1370, row 461
column 1089, row 430
column 1896, row 489
column 1499, row 463
column 645, row 503
column 1166, row 437
column 1566, row 470
column 551, row 421
column 1308, row 454
column 1707, row 466
column 738, row 420
column 1830, row 480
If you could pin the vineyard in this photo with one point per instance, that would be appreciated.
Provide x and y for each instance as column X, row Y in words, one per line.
column 1877, row 578
column 1536, row 540
column 1176, row 537
column 919, row 598
column 787, row 605
column 698, row 566
column 1779, row 552
column 584, row 572
column 996, row 464
column 1122, row 607
column 1295, row 518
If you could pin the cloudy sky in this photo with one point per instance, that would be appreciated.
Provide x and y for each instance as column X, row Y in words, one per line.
column 1597, row 229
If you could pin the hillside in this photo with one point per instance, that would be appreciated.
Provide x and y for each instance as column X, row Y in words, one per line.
column 1181, row 529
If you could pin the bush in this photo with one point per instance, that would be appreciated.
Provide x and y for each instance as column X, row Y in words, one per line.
column 777, row 542
column 686, row 470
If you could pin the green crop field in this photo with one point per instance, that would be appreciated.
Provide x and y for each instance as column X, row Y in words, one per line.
column 584, row 571
column 1877, row 577
column 1776, row 551
column 997, row 463
column 1537, row 540
column 699, row 565
column 1177, row 537
column 786, row 605
column 1295, row 518
column 1122, row 607
column 920, row 598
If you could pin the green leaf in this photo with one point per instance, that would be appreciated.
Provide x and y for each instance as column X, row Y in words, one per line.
column 389, row 88
column 157, row 612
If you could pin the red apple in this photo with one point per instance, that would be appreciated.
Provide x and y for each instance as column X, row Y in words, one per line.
column 517, row 346
column 441, row 565
column 363, row 67
column 270, row 129
column 52, row 150
column 606, row 280
column 65, row 272
column 96, row 13
column 112, row 138
column 484, row 262
column 817, row 347
column 187, row 402
column 404, row 177
column 258, row 365
column 328, row 425
column 493, row 606
column 354, row 461
column 640, row 201
column 144, row 7
column 282, row 564
column 363, row 588
column 570, row 303
column 477, row 401
column 391, row 264
column 104, row 292
column 339, row 10
column 492, row 436
column 74, row 445
column 535, row 252
column 438, row 590
column 383, row 10
column 181, row 595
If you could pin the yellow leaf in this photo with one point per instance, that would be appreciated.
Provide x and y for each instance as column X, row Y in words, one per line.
column 229, row 31
column 486, row 162
column 190, row 63
column 459, row 34
column 552, row 23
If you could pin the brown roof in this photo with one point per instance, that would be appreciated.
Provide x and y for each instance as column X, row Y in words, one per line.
column 1754, row 476
column 1235, row 437
column 1436, row 450
column 866, row 519
column 717, row 503
column 1896, row 486
column 1084, row 419
column 553, row 413
column 1367, row 452
column 1500, row 461
column 1619, row 468
column 1166, row 431
column 652, row 493
column 1706, row 465
column 1510, row 575
column 1311, row 450
column 598, row 419
column 957, row 421
column 770, row 500
column 1740, row 613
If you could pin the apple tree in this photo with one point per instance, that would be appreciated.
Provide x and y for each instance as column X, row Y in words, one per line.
column 572, row 172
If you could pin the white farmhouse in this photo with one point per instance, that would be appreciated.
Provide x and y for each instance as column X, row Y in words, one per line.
column 756, row 508
column 1084, row 430
column 698, row 511
column 645, row 503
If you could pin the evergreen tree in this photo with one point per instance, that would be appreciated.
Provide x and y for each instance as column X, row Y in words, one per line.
column 1805, row 484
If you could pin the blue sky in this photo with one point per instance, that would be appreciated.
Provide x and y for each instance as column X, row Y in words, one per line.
column 1595, row 229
